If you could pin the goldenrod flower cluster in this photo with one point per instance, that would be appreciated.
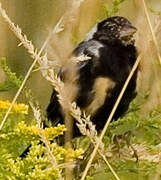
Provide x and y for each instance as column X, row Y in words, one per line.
column 53, row 132
column 71, row 154
column 50, row 133
column 28, row 130
column 68, row 154
column 17, row 108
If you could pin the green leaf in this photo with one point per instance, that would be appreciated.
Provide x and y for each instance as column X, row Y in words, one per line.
column 7, row 85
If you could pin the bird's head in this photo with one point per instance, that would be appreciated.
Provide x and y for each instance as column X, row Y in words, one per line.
column 115, row 29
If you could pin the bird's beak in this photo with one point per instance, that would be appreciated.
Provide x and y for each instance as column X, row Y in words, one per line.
column 128, row 31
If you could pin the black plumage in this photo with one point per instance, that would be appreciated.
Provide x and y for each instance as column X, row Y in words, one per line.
column 110, row 46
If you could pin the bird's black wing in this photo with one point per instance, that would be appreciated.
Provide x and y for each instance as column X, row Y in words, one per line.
column 54, row 110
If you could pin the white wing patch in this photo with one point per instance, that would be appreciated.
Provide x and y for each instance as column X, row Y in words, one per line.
column 94, row 48
column 101, row 87
column 91, row 33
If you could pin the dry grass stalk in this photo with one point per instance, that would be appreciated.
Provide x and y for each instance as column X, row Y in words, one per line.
column 84, row 124
column 110, row 117
column 38, row 117
column 149, row 81
column 152, row 31
column 108, row 164
column 65, row 40
column 157, row 30
column 71, row 20
column 32, row 51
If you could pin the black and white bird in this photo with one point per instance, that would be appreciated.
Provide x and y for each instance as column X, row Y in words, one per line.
column 111, row 48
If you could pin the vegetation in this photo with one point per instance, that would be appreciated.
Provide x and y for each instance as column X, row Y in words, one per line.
column 131, row 146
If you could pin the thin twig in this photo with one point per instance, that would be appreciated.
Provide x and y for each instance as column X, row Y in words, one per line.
column 152, row 31
column 110, row 116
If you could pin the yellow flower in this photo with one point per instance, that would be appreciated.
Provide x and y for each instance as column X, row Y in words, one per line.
column 52, row 132
column 71, row 154
column 31, row 130
column 18, row 108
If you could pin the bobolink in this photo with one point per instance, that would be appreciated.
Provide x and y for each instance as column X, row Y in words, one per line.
column 112, row 53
